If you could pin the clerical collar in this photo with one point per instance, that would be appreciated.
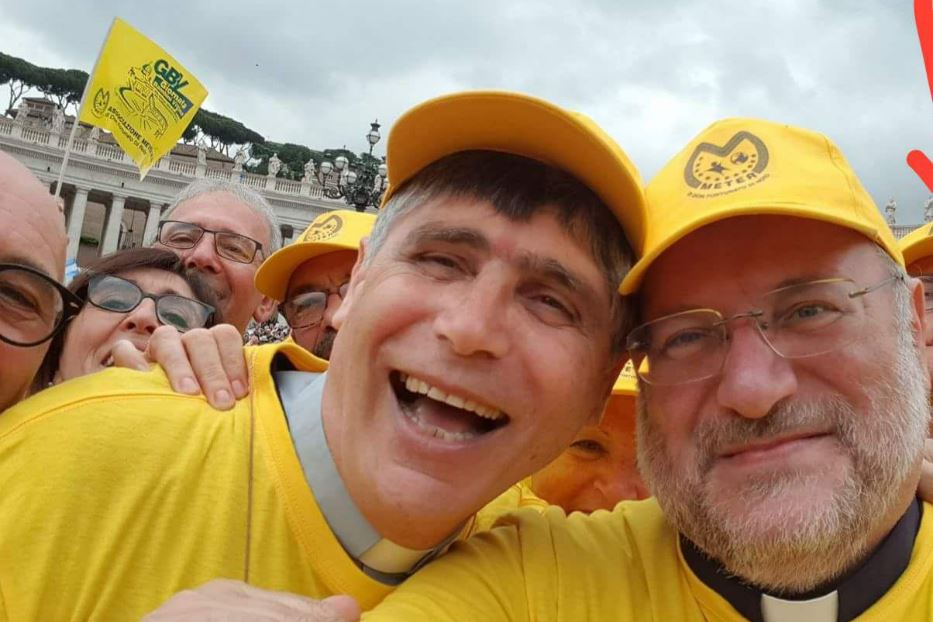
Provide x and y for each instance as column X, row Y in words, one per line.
column 842, row 600
column 301, row 394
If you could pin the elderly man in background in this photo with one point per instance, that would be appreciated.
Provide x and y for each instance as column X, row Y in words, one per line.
column 917, row 247
column 34, row 306
column 224, row 230
column 781, row 427
column 310, row 277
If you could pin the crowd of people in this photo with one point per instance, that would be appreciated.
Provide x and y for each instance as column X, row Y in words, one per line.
column 534, row 388
column 270, row 331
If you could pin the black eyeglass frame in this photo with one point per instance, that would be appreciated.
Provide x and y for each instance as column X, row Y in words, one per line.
column 71, row 304
column 155, row 298
column 328, row 292
column 258, row 245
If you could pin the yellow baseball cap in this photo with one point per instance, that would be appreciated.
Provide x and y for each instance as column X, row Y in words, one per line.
column 520, row 125
column 917, row 244
column 740, row 167
column 338, row 230
column 626, row 383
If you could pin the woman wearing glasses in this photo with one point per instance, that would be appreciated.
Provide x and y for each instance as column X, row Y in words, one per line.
column 126, row 295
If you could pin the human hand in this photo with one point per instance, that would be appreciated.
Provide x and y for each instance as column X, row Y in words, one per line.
column 235, row 601
column 203, row 360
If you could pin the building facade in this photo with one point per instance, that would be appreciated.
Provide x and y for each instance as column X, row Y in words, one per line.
column 106, row 204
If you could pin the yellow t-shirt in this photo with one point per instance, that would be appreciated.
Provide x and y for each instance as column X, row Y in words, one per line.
column 609, row 566
column 113, row 504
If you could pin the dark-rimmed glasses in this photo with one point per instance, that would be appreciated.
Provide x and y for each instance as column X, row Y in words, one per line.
column 33, row 305
column 111, row 293
column 307, row 308
column 797, row 321
column 232, row 246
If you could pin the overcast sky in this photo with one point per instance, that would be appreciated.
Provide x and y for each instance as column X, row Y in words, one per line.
column 652, row 73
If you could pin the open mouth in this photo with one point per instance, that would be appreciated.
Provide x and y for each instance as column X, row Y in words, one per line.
column 444, row 415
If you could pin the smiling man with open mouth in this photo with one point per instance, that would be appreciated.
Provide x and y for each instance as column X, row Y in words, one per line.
column 480, row 330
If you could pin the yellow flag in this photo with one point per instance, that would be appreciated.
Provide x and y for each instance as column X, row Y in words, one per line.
column 142, row 95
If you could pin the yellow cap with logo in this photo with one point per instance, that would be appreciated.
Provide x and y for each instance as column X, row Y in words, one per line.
column 338, row 230
column 626, row 383
column 917, row 244
column 520, row 125
column 741, row 167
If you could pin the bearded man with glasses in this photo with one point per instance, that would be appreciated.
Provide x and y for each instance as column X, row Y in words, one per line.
column 782, row 416
column 917, row 247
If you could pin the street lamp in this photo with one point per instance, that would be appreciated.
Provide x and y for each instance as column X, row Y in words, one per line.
column 361, row 188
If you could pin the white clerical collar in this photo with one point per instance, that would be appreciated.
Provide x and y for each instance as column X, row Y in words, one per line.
column 301, row 394
column 845, row 599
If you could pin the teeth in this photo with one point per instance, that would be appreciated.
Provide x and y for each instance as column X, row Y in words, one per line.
column 438, row 432
column 416, row 385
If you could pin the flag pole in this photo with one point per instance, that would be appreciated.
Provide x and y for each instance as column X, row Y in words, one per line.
column 77, row 122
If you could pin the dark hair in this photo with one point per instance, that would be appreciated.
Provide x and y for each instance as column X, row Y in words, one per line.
column 518, row 188
column 115, row 264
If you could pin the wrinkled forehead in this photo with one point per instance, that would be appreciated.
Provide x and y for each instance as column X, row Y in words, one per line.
column 327, row 270
column 743, row 258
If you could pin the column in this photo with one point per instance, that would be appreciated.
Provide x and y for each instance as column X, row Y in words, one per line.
column 152, row 223
column 112, row 225
column 76, row 220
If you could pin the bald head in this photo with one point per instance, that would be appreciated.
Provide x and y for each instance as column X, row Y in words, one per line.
column 36, row 234
column 33, row 234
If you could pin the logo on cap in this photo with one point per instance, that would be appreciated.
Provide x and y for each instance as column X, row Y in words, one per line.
column 713, row 170
column 324, row 230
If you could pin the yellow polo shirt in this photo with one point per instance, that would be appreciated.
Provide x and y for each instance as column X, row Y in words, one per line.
column 110, row 505
column 609, row 566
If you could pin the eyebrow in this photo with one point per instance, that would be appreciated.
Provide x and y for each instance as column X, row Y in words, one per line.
column 29, row 263
column 434, row 232
column 552, row 270
column 546, row 268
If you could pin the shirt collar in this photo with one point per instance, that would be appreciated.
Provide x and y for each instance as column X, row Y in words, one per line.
column 301, row 394
column 844, row 599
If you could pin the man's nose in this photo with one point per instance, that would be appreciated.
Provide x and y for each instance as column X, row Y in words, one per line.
column 754, row 377
column 476, row 323
column 330, row 308
column 202, row 255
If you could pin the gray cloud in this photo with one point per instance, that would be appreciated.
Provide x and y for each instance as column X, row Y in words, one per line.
column 652, row 73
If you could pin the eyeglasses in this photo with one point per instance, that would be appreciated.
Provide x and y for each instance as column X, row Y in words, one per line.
column 232, row 246
column 307, row 308
column 797, row 321
column 33, row 305
column 111, row 293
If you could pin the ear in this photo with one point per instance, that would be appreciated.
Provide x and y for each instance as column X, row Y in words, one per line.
column 264, row 310
column 357, row 277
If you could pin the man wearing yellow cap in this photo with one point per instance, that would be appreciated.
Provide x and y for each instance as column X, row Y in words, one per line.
column 917, row 247
column 492, row 270
column 310, row 277
column 784, row 403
